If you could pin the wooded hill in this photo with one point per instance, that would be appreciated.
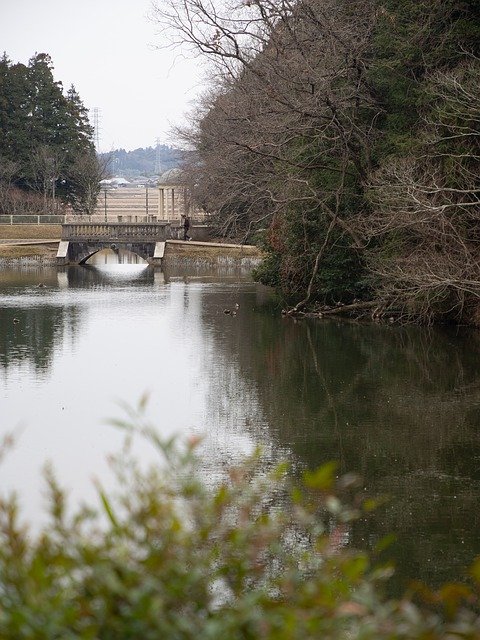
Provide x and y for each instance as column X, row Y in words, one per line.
column 344, row 136
column 149, row 161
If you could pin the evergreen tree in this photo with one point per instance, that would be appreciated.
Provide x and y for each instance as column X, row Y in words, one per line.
column 44, row 131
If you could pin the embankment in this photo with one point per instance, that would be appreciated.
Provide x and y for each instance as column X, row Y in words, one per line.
column 25, row 244
column 179, row 253
column 38, row 244
column 29, row 243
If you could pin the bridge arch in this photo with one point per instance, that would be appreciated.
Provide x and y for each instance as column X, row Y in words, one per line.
column 90, row 255
column 80, row 241
column 81, row 252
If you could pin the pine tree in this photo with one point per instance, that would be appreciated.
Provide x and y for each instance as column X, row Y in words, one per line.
column 44, row 131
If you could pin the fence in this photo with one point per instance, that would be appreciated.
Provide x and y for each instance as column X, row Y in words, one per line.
column 96, row 218
column 31, row 219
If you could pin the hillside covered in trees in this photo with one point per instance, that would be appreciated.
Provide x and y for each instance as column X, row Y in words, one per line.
column 149, row 161
column 47, row 157
column 344, row 136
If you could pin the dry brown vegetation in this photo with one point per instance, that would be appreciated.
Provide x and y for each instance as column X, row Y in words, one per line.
column 28, row 251
column 11, row 237
column 30, row 231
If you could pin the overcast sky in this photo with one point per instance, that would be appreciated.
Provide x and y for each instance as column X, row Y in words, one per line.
column 106, row 48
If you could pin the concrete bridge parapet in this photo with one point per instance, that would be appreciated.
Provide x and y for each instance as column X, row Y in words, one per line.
column 82, row 240
column 120, row 231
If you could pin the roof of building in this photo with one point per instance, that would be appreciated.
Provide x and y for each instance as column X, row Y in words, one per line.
column 115, row 180
column 172, row 176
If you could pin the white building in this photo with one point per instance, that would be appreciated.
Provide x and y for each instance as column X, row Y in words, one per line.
column 174, row 197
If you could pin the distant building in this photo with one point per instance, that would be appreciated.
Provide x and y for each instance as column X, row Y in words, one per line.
column 114, row 182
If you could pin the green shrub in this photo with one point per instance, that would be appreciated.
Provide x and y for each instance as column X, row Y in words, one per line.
column 172, row 556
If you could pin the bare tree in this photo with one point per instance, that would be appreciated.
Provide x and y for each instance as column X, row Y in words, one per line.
column 85, row 174
column 46, row 164
column 424, row 224
column 278, row 137
column 8, row 170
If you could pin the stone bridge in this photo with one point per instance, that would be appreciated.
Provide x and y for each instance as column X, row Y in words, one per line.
column 80, row 241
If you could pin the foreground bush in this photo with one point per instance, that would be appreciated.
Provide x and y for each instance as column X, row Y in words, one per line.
column 172, row 556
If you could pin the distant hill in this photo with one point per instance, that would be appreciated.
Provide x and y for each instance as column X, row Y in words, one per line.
column 151, row 161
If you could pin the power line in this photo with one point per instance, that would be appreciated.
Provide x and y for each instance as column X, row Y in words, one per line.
column 96, row 128
column 158, row 160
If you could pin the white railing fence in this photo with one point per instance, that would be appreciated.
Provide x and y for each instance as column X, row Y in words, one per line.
column 96, row 219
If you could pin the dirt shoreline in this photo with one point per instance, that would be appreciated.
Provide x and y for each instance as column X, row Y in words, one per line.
column 14, row 254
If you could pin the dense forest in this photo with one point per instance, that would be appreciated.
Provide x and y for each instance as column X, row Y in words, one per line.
column 47, row 156
column 344, row 137
column 150, row 161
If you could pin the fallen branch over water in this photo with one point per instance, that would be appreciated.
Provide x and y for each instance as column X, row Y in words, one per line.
column 379, row 307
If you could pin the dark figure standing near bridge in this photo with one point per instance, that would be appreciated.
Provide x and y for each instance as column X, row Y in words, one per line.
column 186, row 227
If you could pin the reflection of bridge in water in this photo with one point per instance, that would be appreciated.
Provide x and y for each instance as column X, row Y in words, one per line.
column 80, row 241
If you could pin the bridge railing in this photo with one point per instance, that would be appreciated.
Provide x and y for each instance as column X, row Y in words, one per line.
column 121, row 231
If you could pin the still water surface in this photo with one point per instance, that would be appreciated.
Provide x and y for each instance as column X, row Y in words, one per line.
column 401, row 406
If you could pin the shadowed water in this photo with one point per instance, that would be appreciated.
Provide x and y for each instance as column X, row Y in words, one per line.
column 399, row 405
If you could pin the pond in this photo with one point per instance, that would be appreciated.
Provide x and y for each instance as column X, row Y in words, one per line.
column 399, row 405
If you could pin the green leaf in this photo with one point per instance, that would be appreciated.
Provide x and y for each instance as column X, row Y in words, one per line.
column 323, row 478
column 385, row 542
column 108, row 510
column 370, row 504
column 475, row 570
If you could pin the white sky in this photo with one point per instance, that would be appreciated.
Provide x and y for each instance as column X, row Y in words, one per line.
column 106, row 48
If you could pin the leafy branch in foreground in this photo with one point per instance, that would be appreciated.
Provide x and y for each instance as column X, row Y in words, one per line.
column 171, row 555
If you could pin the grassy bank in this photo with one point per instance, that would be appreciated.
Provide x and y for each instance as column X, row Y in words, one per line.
column 11, row 236
column 30, row 231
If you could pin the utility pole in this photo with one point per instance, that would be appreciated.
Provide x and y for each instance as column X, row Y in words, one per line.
column 146, row 200
column 105, row 203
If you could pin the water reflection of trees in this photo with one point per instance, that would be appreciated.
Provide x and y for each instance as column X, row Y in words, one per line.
column 34, row 327
column 398, row 405
column 32, row 335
